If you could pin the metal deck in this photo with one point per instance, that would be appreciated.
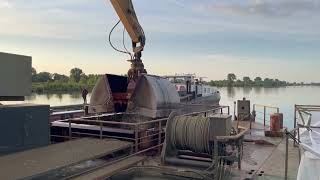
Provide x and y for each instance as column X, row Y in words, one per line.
column 104, row 172
column 264, row 160
column 263, row 157
column 41, row 160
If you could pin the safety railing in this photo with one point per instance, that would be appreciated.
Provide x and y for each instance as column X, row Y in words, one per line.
column 299, row 119
column 67, row 107
column 261, row 112
column 144, row 135
column 300, row 122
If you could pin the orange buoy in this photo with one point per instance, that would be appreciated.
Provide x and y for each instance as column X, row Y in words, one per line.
column 276, row 122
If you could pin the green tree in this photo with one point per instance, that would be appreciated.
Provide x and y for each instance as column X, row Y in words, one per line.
column 258, row 81
column 268, row 82
column 60, row 77
column 246, row 80
column 75, row 74
column 83, row 79
column 42, row 77
column 231, row 78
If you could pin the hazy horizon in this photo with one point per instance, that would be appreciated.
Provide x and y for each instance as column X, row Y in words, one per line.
column 267, row 38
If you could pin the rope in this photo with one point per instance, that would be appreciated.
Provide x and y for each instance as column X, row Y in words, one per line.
column 191, row 133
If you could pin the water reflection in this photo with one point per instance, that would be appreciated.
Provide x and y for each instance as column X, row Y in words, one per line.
column 257, row 90
column 31, row 97
column 59, row 96
column 53, row 99
column 49, row 96
column 272, row 90
column 247, row 90
column 284, row 97
column 75, row 95
column 231, row 92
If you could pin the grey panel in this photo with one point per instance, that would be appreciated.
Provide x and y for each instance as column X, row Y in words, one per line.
column 15, row 75
column 23, row 127
column 243, row 110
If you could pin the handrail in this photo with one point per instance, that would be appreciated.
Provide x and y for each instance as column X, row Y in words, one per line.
column 265, row 107
column 271, row 107
column 137, row 138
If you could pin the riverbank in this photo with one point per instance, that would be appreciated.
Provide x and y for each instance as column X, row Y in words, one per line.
column 246, row 81
column 60, row 87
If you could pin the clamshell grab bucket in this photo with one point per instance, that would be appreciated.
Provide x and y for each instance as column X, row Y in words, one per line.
column 152, row 97
column 109, row 95
column 101, row 98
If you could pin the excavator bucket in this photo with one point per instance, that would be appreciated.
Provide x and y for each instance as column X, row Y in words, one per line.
column 152, row 97
column 109, row 95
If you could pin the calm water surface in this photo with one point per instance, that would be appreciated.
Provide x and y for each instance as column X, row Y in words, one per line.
column 284, row 98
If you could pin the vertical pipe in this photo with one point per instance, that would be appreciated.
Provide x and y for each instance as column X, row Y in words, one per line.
column 295, row 123
column 239, row 152
column 159, row 148
column 264, row 116
column 215, row 154
column 286, row 159
column 299, row 154
column 70, row 131
column 234, row 110
column 254, row 115
column 298, row 135
column 136, row 134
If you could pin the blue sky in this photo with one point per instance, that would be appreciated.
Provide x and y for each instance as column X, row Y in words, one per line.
column 268, row 38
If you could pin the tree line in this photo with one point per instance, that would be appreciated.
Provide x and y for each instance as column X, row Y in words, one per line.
column 246, row 81
column 54, row 82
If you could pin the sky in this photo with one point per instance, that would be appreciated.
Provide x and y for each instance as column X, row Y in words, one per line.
column 267, row 38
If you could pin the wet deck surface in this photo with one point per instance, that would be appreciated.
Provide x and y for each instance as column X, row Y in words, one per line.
column 266, row 158
column 40, row 160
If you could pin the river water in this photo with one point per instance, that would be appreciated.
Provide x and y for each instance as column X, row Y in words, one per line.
column 282, row 97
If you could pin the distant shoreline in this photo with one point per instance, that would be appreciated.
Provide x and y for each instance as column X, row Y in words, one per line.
column 59, row 87
column 246, row 81
column 315, row 85
column 67, row 87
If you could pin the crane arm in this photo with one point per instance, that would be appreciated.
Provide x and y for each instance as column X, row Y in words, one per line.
column 128, row 17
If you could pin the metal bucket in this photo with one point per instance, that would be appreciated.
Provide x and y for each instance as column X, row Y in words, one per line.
column 153, row 96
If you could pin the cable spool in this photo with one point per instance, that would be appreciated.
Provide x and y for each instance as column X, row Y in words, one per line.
column 191, row 141
column 190, row 133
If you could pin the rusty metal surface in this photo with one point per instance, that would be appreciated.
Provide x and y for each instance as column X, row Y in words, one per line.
column 36, row 161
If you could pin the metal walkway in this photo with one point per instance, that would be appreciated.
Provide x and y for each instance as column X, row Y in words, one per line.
column 33, row 162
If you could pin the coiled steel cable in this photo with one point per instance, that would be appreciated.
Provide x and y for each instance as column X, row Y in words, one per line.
column 190, row 133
